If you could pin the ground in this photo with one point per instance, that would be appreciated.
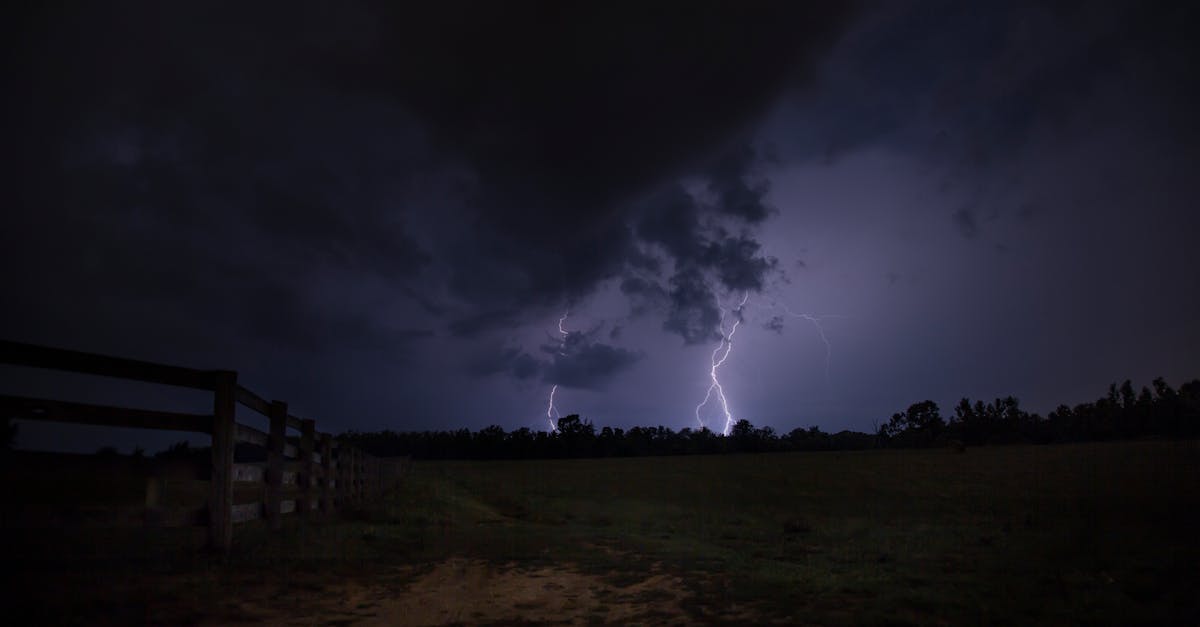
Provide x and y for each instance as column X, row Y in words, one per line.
column 473, row 592
column 1068, row 534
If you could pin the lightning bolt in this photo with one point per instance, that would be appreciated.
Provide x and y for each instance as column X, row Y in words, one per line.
column 816, row 322
column 717, row 359
column 551, row 410
column 721, row 353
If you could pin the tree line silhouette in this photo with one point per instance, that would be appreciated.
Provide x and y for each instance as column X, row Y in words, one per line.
column 1122, row 414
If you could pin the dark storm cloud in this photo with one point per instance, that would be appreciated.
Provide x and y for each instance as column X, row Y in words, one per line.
column 582, row 362
column 1028, row 211
column 142, row 244
column 737, row 194
column 209, row 179
column 707, row 258
column 732, row 264
column 510, row 360
column 381, row 202
column 774, row 324
column 694, row 312
column 558, row 126
column 197, row 180
column 738, row 263
column 316, row 129
column 967, row 86
column 964, row 220
column 579, row 360
column 671, row 221
column 476, row 324
column 1075, row 109
column 643, row 294
column 525, row 366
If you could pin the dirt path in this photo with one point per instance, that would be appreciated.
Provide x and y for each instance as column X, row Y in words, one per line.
column 471, row 592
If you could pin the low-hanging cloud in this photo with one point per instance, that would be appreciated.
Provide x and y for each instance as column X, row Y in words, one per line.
column 579, row 360
column 583, row 363
column 710, row 245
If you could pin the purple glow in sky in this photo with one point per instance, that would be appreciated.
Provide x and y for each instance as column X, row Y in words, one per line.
column 376, row 212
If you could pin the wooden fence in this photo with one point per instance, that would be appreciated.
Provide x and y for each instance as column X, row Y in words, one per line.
column 305, row 473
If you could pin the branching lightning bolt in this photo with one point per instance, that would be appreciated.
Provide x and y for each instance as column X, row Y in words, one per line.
column 551, row 410
column 719, row 355
column 816, row 322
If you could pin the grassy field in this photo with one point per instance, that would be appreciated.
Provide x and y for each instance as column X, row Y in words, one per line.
column 1072, row 534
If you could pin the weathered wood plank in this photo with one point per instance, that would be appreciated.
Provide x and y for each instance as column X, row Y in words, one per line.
column 253, row 401
column 83, row 413
column 326, row 461
column 255, row 473
column 220, row 504
column 246, row 512
column 251, row 435
column 308, row 486
column 352, row 488
column 322, row 473
column 275, row 462
column 21, row 354
column 340, row 453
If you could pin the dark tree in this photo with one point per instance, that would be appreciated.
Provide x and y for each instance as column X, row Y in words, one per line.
column 920, row 425
column 577, row 436
column 1122, row 412
column 742, row 436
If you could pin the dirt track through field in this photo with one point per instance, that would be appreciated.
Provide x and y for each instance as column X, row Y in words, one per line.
column 472, row 592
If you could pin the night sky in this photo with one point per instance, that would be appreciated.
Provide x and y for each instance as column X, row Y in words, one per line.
column 379, row 213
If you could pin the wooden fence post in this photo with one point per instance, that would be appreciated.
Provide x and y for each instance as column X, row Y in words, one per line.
column 374, row 475
column 220, row 502
column 307, row 468
column 343, row 473
column 327, row 482
column 335, row 476
column 353, row 474
column 275, row 465
column 365, row 476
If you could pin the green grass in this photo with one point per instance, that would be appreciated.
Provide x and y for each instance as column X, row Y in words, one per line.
column 1073, row 534
column 1103, row 533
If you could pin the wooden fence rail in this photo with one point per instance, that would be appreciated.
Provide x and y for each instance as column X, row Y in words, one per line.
column 306, row 473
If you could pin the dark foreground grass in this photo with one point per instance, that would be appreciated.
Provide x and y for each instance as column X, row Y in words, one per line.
column 1095, row 533
column 1075, row 534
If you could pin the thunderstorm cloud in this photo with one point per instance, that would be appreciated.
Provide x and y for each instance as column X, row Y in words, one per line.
column 378, row 211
